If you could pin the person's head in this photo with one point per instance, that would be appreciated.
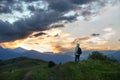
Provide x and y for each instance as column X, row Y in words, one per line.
column 78, row 44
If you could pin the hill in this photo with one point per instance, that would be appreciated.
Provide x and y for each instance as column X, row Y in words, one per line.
column 16, row 69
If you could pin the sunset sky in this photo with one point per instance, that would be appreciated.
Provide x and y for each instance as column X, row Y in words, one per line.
column 57, row 25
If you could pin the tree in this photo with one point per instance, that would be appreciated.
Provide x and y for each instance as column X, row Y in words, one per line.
column 100, row 56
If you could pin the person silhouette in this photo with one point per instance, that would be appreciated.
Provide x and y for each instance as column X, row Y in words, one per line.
column 77, row 53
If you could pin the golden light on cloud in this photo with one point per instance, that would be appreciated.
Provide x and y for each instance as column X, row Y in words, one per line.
column 55, row 40
column 95, row 43
column 11, row 45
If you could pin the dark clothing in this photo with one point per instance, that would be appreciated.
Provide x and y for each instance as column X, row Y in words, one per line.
column 77, row 52
column 77, row 58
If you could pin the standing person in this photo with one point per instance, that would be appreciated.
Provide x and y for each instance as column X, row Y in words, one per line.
column 78, row 52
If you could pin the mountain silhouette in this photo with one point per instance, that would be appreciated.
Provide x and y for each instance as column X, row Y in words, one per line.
column 6, row 54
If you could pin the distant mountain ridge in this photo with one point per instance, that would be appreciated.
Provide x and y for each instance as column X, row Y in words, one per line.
column 19, row 50
column 6, row 54
column 115, row 55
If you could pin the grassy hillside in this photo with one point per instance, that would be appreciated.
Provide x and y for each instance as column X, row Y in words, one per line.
column 84, row 70
column 15, row 69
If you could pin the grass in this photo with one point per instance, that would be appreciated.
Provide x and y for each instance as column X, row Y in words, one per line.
column 17, row 75
column 84, row 70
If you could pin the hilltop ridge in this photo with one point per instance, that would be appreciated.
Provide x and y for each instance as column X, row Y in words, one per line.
column 85, row 69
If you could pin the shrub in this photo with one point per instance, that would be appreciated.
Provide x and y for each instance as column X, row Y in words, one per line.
column 99, row 56
column 51, row 64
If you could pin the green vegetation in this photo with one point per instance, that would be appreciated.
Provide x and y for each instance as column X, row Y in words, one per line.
column 51, row 64
column 100, row 56
column 84, row 70
column 15, row 69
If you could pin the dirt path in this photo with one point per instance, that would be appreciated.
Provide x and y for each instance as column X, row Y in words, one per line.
column 27, row 76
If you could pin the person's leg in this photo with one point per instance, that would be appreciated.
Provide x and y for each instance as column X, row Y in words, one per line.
column 78, row 57
column 75, row 58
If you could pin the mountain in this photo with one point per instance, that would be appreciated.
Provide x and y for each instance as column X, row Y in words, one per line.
column 115, row 55
column 19, row 50
column 57, row 58
column 48, row 56
column 8, row 54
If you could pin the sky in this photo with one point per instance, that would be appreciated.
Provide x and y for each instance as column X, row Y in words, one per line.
column 58, row 25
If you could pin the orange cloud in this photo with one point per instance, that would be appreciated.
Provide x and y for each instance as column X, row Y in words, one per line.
column 55, row 41
column 63, row 47
column 12, row 44
column 81, row 40
column 95, row 43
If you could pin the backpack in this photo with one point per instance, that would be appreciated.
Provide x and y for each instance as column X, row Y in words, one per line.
column 79, row 51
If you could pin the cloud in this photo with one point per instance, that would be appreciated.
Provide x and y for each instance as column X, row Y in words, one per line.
column 39, row 34
column 23, row 27
column 58, row 41
column 81, row 1
column 6, row 6
column 9, row 32
column 109, row 32
column 95, row 34
column 5, row 9
column 56, row 25
column 13, row 44
column 81, row 40
column 102, row 39
column 119, row 40
column 29, row 0
column 38, row 15
column 109, row 29
column 60, row 48
column 61, row 5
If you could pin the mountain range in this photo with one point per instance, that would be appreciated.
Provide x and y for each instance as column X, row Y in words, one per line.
column 6, row 54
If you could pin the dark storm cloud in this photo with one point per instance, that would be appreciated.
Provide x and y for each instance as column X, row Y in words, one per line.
column 95, row 34
column 57, row 26
column 18, row 7
column 66, row 5
column 39, row 21
column 40, row 34
column 5, row 9
column 31, row 8
column 57, row 5
column 81, row 1
column 7, row 0
column 22, row 28
column 60, row 5
column 85, row 13
column 6, row 6
column 9, row 33
column 30, row 0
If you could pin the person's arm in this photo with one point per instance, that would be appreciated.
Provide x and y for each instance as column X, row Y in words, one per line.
column 75, row 50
